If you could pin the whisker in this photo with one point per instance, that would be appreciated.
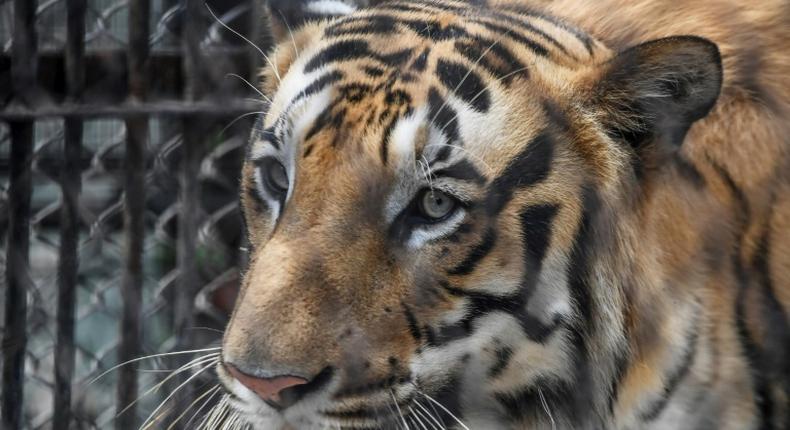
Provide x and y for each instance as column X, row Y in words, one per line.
column 214, row 414
column 194, row 363
column 191, row 405
column 235, row 120
column 249, row 84
column 415, row 418
column 288, row 26
column 425, row 412
column 148, row 423
column 216, row 389
column 394, row 400
column 546, row 408
column 147, row 357
column 276, row 73
column 434, row 401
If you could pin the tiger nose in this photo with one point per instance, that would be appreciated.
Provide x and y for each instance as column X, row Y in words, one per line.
column 268, row 389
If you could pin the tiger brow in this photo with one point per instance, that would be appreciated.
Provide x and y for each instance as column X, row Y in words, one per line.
column 462, row 170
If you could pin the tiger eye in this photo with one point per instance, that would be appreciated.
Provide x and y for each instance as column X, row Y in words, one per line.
column 436, row 205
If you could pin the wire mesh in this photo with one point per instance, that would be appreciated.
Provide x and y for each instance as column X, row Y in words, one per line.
column 100, row 206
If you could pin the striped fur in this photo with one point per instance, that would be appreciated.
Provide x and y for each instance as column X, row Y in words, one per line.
column 620, row 253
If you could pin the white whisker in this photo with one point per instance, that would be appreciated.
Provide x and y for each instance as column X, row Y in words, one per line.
column 148, row 423
column 147, row 357
column 216, row 389
column 276, row 73
column 200, row 361
column 394, row 400
column 191, row 405
column 432, row 420
column 415, row 418
column 434, row 401
column 288, row 26
column 546, row 408
column 246, row 82
column 235, row 120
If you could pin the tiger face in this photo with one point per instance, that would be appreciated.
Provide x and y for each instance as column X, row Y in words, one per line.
column 422, row 200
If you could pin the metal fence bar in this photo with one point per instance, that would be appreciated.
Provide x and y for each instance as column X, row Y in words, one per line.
column 17, row 277
column 134, row 212
column 193, row 132
column 70, row 180
column 23, row 72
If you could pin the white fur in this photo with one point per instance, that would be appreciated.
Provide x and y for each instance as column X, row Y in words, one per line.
column 330, row 7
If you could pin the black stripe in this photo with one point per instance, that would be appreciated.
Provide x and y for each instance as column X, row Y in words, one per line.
column 526, row 404
column 581, row 36
column 270, row 135
column 750, row 348
column 498, row 61
column 503, row 356
column 411, row 320
column 480, row 251
column 536, row 223
column 464, row 83
column 373, row 72
column 531, row 28
column 397, row 58
column 362, row 25
column 530, row 44
column 675, row 377
column 531, row 166
column 443, row 115
column 463, row 170
column 421, row 61
column 340, row 51
column 481, row 304
column 580, row 257
column 319, row 84
column 434, row 30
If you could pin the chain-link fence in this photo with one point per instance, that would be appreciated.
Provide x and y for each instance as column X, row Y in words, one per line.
column 118, row 209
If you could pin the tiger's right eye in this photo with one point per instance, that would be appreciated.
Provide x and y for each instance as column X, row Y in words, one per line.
column 274, row 176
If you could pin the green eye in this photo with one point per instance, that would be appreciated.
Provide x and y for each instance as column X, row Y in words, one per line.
column 436, row 205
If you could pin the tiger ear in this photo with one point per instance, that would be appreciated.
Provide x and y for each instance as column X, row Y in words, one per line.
column 287, row 16
column 653, row 92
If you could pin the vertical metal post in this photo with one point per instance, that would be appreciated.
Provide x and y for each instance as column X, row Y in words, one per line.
column 23, row 75
column 70, row 181
column 193, row 132
column 134, row 210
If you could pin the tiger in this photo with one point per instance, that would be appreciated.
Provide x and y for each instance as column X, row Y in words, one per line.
column 537, row 214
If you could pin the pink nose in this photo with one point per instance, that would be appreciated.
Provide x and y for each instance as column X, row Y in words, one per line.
column 268, row 389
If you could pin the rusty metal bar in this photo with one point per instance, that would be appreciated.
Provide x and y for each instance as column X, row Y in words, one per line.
column 18, row 282
column 70, row 179
column 134, row 211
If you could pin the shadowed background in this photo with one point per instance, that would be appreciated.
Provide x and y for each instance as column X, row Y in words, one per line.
column 119, row 223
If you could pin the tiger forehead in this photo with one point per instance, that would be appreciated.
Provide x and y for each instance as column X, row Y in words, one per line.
column 364, row 72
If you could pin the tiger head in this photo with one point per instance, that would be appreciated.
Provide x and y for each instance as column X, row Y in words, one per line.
column 434, row 202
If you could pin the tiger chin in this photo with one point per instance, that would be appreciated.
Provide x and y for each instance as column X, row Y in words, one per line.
column 517, row 215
